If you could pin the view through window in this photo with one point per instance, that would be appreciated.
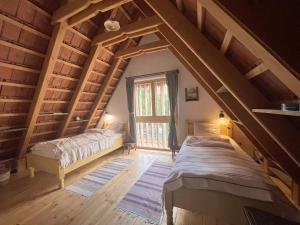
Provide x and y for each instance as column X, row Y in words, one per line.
column 152, row 113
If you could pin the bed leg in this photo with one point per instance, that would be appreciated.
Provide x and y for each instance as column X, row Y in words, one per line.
column 31, row 172
column 169, row 207
column 61, row 183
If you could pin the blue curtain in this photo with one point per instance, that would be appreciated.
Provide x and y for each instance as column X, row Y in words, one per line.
column 130, row 101
column 172, row 82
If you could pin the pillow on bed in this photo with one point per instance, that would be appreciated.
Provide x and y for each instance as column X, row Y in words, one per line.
column 209, row 141
column 206, row 129
column 116, row 127
column 100, row 131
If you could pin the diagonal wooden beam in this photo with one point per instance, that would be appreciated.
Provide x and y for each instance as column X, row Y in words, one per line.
column 179, row 5
column 200, row 16
column 94, row 9
column 254, row 130
column 226, row 42
column 131, row 36
column 69, row 9
column 131, row 30
column 259, row 69
column 280, row 129
column 125, row 13
column 105, row 85
column 275, row 64
column 41, row 88
column 146, row 48
column 88, row 67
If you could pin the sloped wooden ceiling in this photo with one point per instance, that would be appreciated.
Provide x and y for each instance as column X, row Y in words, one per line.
column 42, row 91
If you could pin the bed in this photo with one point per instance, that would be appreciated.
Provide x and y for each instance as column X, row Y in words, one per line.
column 214, row 177
column 61, row 156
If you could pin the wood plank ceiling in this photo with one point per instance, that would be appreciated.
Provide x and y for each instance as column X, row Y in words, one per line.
column 57, row 63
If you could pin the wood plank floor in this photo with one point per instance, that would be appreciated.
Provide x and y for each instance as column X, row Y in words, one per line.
column 38, row 201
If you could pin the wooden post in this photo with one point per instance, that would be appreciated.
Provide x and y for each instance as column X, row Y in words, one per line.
column 296, row 192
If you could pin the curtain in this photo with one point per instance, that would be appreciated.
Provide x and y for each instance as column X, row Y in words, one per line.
column 130, row 103
column 172, row 82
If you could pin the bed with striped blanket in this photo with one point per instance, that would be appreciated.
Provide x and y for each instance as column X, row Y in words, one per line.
column 213, row 176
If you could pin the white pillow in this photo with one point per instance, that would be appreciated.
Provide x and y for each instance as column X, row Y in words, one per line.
column 206, row 129
column 116, row 127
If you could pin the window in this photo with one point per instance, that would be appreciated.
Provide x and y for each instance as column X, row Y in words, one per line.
column 152, row 113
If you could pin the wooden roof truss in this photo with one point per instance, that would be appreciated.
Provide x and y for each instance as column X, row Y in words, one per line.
column 88, row 70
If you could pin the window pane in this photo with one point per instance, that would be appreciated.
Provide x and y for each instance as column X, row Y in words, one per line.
column 161, row 99
column 143, row 99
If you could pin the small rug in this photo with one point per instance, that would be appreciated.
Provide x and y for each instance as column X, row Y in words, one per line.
column 92, row 182
column 144, row 198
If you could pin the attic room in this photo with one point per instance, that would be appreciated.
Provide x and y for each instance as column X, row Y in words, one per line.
column 170, row 112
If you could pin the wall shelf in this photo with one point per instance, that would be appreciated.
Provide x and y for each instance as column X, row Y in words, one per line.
column 277, row 112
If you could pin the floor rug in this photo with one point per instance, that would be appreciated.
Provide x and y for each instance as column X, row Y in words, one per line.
column 92, row 182
column 144, row 198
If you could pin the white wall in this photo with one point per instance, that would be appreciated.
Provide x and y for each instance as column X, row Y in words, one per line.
column 205, row 109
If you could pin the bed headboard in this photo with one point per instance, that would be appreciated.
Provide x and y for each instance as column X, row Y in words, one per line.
column 224, row 128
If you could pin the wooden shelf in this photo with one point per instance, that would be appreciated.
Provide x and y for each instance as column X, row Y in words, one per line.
column 277, row 112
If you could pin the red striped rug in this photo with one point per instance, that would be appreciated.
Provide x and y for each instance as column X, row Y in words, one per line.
column 144, row 198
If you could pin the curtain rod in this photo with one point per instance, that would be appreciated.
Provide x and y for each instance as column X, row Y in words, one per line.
column 152, row 74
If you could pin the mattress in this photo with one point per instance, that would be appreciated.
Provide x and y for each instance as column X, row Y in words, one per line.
column 219, row 168
column 72, row 149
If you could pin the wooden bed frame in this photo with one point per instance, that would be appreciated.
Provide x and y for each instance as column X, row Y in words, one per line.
column 52, row 166
column 223, row 206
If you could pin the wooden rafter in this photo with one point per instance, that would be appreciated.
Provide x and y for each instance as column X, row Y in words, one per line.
column 278, row 68
column 125, row 13
column 41, row 88
column 200, row 16
column 88, row 67
column 112, row 71
column 252, row 129
column 281, row 129
column 226, row 42
column 131, row 30
column 94, row 9
column 256, row 71
column 69, row 9
column 179, row 5
column 139, row 50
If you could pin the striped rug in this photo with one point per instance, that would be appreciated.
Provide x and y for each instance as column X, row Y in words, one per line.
column 92, row 182
column 144, row 198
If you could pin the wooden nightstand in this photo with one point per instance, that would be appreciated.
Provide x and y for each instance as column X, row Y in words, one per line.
column 174, row 149
column 129, row 146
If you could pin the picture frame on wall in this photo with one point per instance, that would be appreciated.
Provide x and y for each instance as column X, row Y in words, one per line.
column 191, row 94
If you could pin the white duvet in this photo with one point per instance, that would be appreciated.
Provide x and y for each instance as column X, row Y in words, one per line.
column 220, row 168
column 71, row 149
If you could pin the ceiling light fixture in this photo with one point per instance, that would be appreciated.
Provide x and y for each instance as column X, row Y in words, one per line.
column 112, row 25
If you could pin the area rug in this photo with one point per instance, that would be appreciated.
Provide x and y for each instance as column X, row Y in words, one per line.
column 92, row 182
column 144, row 198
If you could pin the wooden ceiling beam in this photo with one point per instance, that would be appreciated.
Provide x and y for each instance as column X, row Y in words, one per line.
column 278, row 67
column 226, row 42
column 146, row 48
column 125, row 13
column 280, row 129
column 179, row 5
column 256, row 71
column 105, row 85
column 232, row 107
column 141, row 27
column 69, row 9
column 130, row 37
column 200, row 16
column 88, row 67
column 94, row 9
column 41, row 88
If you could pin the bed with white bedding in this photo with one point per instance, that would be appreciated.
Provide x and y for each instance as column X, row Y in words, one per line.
column 214, row 177
column 64, row 155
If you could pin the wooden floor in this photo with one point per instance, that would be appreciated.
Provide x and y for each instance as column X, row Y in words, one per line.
column 38, row 201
